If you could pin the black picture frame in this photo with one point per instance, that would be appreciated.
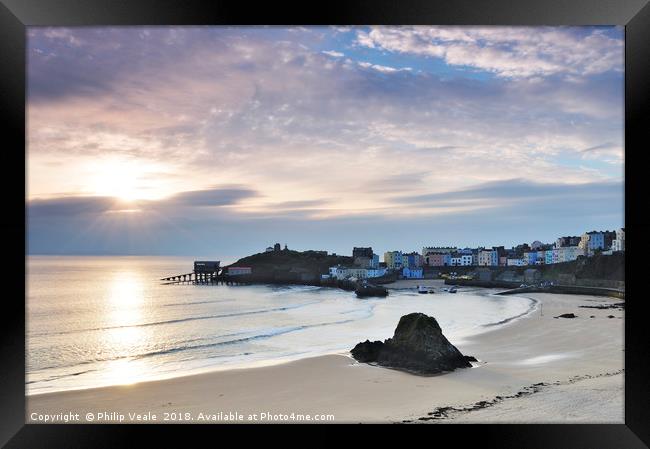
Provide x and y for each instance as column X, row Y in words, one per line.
column 16, row 15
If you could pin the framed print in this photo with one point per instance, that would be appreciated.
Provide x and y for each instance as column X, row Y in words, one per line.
column 405, row 213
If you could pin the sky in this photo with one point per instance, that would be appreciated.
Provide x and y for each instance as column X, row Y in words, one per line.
column 220, row 141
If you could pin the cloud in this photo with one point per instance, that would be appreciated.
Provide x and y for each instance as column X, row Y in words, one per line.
column 298, row 205
column 509, row 52
column 71, row 206
column 382, row 68
column 212, row 197
column 335, row 54
column 519, row 190
column 602, row 147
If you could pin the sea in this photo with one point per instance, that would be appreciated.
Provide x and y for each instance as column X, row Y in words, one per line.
column 109, row 320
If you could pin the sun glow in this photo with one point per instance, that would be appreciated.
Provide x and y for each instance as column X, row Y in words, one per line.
column 125, row 311
column 126, row 180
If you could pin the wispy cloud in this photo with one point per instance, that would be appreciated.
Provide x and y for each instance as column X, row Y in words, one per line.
column 505, row 51
column 382, row 68
column 335, row 54
column 516, row 191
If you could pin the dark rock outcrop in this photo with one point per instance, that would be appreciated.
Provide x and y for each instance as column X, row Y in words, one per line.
column 567, row 315
column 417, row 346
column 367, row 290
column 368, row 351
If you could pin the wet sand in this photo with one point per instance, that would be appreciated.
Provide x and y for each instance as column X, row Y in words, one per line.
column 534, row 369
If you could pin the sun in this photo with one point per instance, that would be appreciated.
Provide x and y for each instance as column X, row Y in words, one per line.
column 125, row 180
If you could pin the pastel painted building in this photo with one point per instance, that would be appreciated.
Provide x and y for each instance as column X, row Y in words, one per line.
column 437, row 256
column 592, row 241
column 461, row 260
column 530, row 257
column 393, row 260
column 569, row 253
column 556, row 255
column 438, row 260
column 516, row 262
column 485, row 258
column 412, row 272
column 495, row 257
column 548, row 257
column 411, row 260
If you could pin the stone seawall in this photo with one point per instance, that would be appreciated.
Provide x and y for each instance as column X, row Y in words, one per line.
column 563, row 289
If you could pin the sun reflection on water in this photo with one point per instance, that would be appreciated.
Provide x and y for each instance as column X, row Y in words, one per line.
column 125, row 314
column 122, row 372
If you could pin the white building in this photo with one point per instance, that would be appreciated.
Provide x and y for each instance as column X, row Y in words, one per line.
column 515, row 262
column 339, row 272
column 618, row 244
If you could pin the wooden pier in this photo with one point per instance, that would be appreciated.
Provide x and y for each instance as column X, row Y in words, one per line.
column 203, row 279
column 205, row 273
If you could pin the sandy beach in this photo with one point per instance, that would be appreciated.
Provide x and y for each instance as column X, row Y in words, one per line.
column 534, row 369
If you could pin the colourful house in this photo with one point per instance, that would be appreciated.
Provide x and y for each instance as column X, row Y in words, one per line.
column 413, row 272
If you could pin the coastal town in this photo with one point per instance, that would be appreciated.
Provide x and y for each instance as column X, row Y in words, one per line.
column 412, row 265
column 590, row 263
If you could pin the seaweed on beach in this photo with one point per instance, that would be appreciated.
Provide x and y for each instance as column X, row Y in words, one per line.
column 618, row 306
column 446, row 412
